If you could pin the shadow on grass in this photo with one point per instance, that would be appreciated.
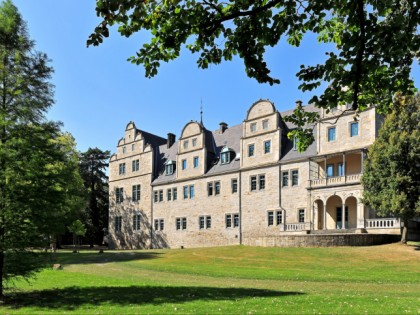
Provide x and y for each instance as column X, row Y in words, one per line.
column 93, row 257
column 72, row 298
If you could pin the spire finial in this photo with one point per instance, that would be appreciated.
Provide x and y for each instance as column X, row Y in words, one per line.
column 201, row 112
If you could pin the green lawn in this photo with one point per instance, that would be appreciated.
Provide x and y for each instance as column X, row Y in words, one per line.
column 227, row 280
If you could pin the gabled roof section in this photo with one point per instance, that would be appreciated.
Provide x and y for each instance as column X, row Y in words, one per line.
column 152, row 139
column 267, row 108
column 307, row 108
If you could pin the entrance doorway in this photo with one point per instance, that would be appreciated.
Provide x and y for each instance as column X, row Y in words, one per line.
column 339, row 217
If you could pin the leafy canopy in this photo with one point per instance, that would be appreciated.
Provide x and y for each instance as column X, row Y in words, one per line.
column 376, row 42
column 392, row 171
column 40, row 186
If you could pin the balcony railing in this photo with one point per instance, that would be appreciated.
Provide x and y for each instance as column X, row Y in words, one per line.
column 336, row 180
column 294, row 227
column 382, row 223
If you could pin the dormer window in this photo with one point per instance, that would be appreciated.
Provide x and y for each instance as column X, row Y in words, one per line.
column 169, row 167
column 295, row 143
column 225, row 155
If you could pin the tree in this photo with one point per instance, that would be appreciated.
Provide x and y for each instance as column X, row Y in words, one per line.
column 376, row 42
column 392, row 170
column 92, row 167
column 77, row 229
column 40, row 186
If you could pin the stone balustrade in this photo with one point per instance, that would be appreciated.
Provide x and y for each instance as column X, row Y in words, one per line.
column 336, row 180
column 294, row 227
column 382, row 223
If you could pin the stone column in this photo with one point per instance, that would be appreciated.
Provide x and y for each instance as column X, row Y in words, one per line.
column 324, row 224
column 360, row 215
column 343, row 216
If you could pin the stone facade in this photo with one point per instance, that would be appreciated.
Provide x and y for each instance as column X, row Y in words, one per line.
column 245, row 184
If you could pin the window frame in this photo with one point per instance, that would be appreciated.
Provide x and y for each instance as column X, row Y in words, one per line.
column 265, row 146
column 293, row 178
column 301, row 215
column 333, row 136
column 194, row 142
column 184, row 164
column 185, row 144
column 253, row 183
column 251, row 149
column 354, row 123
column 270, row 218
column 135, row 165
column 121, row 170
column 253, row 127
column 118, row 223
column 137, row 222
column 265, row 124
column 234, row 185
column 136, row 192
column 119, row 195
column 195, row 161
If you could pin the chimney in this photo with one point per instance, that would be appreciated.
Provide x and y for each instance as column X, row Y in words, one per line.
column 298, row 103
column 171, row 140
column 223, row 127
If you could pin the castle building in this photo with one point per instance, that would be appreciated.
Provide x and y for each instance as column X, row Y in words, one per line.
column 245, row 184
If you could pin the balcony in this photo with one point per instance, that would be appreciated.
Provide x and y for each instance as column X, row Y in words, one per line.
column 334, row 181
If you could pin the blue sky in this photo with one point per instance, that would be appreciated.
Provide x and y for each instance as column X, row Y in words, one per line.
column 97, row 92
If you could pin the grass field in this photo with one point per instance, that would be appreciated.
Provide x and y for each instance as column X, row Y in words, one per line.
column 227, row 280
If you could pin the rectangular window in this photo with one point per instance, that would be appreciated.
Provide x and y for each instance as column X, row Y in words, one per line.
column 265, row 124
column 136, row 222
column 192, row 192
column 119, row 194
column 295, row 143
column 185, row 192
column 135, row 165
column 279, row 215
column 205, row 222
column 169, row 169
column 181, row 223
column 122, row 169
column 354, row 129
column 124, row 149
column 161, row 224
column 301, row 215
column 253, row 127
column 195, row 161
column 155, row 196
column 210, row 189
column 175, row 193
column 228, row 220
column 331, row 134
column 136, row 193
column 285, row 179
column 330, row 170
column 184, row 164
column 169, row 194
column 251, row 149
column 217, row 188
column 235, row 220
column 194, row 142
column 267, row 146
column 133, row 147
column 185, row 144
column 160, row 195
column 340, row 169
column 234, row 185
column 224, row 158
column 156, row 224
column 253, row 183
column 295, row 177
column 261, row 179
column 270, row 215
column 118, row 224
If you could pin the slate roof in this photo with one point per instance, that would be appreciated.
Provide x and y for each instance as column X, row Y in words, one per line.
column 215, row 140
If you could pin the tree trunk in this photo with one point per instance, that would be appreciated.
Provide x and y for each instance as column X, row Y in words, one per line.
column 404, row 232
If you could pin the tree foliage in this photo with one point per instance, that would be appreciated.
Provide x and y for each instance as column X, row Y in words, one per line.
column 376, row 41
column 93, row 164
column 392, row 170
column 40, row 187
